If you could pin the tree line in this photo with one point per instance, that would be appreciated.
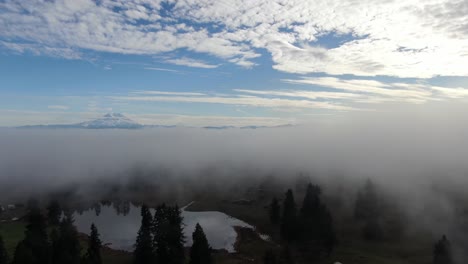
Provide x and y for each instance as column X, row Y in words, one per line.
column 310, row 228
column 161, row 239
column 53, row 239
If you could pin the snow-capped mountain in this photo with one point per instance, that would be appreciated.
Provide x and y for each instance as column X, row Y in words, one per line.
column 119, row 121
column 111, row 120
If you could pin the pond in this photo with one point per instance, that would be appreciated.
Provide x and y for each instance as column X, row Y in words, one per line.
column 118, row 228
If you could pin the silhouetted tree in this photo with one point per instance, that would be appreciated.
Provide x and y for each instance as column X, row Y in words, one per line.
column 367, row 206
column 143, row 253
column 93, row 254
column 274, row 211
column 443, row 252
column 160, row 229
column 200, row 252
column 67, row 246
column 327, row 233
column 311, row 211
column 289, row 219
column 316, row 222
column 3, row 252
column 175, row 236
column 168, row 233
column 269, row 257
column 35, row 247
column 54, row 240
column 54, row 212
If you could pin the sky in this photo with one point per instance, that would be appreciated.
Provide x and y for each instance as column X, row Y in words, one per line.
column 236, row 62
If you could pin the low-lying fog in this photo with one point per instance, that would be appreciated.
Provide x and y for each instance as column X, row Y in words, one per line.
column 419, row 156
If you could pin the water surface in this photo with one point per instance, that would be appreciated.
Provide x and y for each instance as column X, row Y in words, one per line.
column 118, row 228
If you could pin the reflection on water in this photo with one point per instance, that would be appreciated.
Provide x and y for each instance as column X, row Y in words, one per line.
column 118, row 225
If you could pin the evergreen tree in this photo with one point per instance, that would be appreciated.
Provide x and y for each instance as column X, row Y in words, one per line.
column 3, row 252
column 35, row 247
column 161, row 228
column 93, row 254
column 442, row 252
column 367, row 206
column 54, row 212
column 311, row 204
column 67, row 247
column 311, row 213
column 168, row 233
column 175, row 237
column 200, row 252
column 327, row 232
column 316, row 222
column 143, row 253
column 289, row 219
column 274, row 211
column 54, row 240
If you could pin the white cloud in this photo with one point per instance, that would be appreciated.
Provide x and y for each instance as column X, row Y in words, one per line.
column 202, row 120
column 161, row 69
column 397, row 38
column 192, row 63
column 58, row 107
column 168, row 93
column 238, row 100
column 373, row 91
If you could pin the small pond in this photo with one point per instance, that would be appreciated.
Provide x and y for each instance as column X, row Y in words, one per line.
column 118, row 229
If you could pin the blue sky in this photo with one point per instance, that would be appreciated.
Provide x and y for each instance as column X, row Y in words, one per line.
column 236, row 62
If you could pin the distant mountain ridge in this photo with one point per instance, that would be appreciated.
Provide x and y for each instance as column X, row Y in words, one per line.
column 120, row 121
column 108, row 121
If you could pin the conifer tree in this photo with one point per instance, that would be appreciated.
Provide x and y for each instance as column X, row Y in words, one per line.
column 316, row 222
column 327, row 234
column 143, row 253
column 54, row 241
column 289, row 219
column 311, row 213
column 93, row 254
column 3, row 252
column 54, row 213
column 67, row 246
column 200, row 252
column 366, row 207
column 274, row 211
column 35, row 247
column 175, row 237
column 442, row 252
column 161, row 227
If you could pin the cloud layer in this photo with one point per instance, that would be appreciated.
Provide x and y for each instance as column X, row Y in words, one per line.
column 365, row 38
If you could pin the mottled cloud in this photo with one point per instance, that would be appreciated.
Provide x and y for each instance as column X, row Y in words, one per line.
column 192, row 63
column 363, row 38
